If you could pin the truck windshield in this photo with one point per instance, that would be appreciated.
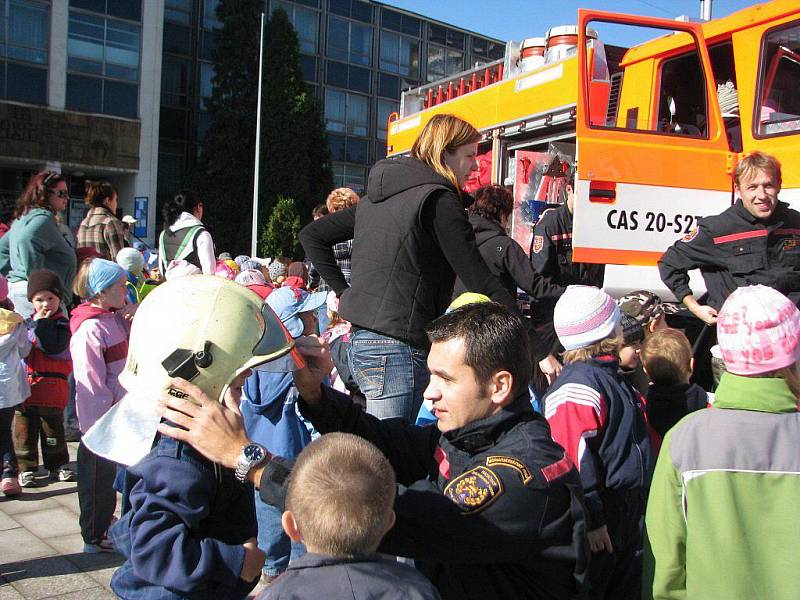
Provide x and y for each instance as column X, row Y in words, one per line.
column 778, row 111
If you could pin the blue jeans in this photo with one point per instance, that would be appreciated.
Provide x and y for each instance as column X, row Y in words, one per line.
column 322, row 318
column 273, row 541
column 391, row 374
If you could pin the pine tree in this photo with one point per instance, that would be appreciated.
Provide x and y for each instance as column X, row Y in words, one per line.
column 295, row 157
column 279, row 237
column 223, row 175
column 294, row 146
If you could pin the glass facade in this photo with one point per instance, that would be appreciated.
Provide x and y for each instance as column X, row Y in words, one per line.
column 24, row 45
column 357, row 57
column 103, row 55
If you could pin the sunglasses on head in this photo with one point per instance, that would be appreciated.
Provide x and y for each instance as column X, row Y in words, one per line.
column 50, row 177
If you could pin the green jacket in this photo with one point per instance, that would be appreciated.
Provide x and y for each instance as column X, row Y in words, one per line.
column 35, row 242
column 722, row 514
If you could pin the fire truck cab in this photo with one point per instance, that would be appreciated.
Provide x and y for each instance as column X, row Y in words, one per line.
column 653, row 129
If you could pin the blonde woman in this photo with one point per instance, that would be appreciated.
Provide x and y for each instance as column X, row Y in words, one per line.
column 411, row 238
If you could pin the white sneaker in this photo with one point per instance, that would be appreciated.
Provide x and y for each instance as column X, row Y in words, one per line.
column 27, row 479
column 66, row 474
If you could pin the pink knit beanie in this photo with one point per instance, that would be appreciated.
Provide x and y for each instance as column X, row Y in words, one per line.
column 584, row 315
column 757, row 330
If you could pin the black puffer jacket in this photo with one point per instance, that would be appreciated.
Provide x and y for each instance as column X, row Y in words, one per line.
column 506, row 259
column 410, row 239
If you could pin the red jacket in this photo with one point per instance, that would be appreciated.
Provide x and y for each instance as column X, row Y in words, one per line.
column 49, row 363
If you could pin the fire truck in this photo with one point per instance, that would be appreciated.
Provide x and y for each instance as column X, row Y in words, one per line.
column 653, row 126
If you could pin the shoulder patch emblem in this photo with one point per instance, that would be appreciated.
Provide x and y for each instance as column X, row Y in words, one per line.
column 474, row 490
column 538, row 243
column 512, row 463
column 690, row 236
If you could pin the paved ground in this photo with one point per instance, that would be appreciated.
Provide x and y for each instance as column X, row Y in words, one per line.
column 41, row 551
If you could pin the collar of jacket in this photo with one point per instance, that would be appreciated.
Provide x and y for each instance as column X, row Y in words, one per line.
column 761, row 394
column 481, row 434
column 777, row 214
column 98, row 211
column 606, row 361
column 311, row 560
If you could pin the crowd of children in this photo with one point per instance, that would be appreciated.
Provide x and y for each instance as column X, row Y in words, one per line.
column 191, row 529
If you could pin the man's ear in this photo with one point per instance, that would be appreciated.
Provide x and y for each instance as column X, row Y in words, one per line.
column 290, row 527
column 501, row 387
column 390, row 521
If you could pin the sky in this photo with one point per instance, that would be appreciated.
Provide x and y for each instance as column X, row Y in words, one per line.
column 520, row 19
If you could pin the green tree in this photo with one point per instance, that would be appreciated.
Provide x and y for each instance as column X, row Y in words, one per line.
column 223, row 175
column 295, row 156
column 294, row 146
column 279, row 237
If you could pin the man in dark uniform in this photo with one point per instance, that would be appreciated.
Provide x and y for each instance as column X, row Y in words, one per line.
column 551, row 256
column 488, row 505
column 755, row 241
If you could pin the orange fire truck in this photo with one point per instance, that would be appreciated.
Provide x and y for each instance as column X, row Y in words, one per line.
column 654, row 128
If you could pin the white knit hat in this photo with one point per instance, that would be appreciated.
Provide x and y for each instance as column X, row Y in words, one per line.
column 584, row 315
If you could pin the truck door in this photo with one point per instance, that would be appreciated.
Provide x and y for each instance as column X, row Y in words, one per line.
column 660, row 159
column 768, row 59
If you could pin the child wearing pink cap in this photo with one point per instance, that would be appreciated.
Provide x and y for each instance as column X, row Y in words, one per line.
column 721, row 518
column 597, row 416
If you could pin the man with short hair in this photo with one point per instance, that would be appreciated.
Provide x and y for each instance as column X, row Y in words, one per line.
column 489, row 505
column 755, row 241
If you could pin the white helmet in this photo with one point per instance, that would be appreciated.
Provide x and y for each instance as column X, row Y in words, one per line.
column 203, row 328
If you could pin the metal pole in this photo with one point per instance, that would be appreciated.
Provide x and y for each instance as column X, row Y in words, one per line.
column 705, row 10
column 257, row 169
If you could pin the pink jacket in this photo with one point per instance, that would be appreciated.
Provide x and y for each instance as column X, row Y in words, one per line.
column 99, row 347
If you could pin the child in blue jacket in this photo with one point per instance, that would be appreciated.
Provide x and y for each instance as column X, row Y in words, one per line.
column 269, row 409
column 191, row 530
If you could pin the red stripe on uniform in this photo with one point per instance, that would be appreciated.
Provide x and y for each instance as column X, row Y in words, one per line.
column 744, row 235
column 440, row 456
column 557, row 469
column 787, row 231
column 561, row 236
column 116, row 352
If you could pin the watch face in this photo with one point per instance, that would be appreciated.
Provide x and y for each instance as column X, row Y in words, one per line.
column 254, row 453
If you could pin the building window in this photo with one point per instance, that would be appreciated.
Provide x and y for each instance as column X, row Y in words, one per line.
column 174, row 81
column 178, row 11
column 355, row 9
column 122, row 9
column 443, row 62
column 24, row 42
column 308, row 64
column 385, row 108
column 446, row 37
column 388, row 85
column 210, row 20
column 399, row 22
column 353, row 78
column 399, row 54
column 177, row 39
column 484, row 50
column 305, row 22
column 349, row 42
column 351, row 177
column 346, row 113
column 103, row 59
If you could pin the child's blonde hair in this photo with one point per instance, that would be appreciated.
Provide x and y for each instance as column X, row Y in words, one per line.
column 609, row 345
column 80, row 284
column 667, row 357
column 341, row 494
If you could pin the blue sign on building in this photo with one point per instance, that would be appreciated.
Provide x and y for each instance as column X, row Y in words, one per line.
column 140, row 214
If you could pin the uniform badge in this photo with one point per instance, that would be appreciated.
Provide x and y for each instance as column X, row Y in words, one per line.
column 690, row 236
column 474, row 490
column 538, row 243
column 789, row 244
column 512, row 463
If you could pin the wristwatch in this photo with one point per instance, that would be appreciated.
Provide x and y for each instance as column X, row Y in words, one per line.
column 251, row 455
